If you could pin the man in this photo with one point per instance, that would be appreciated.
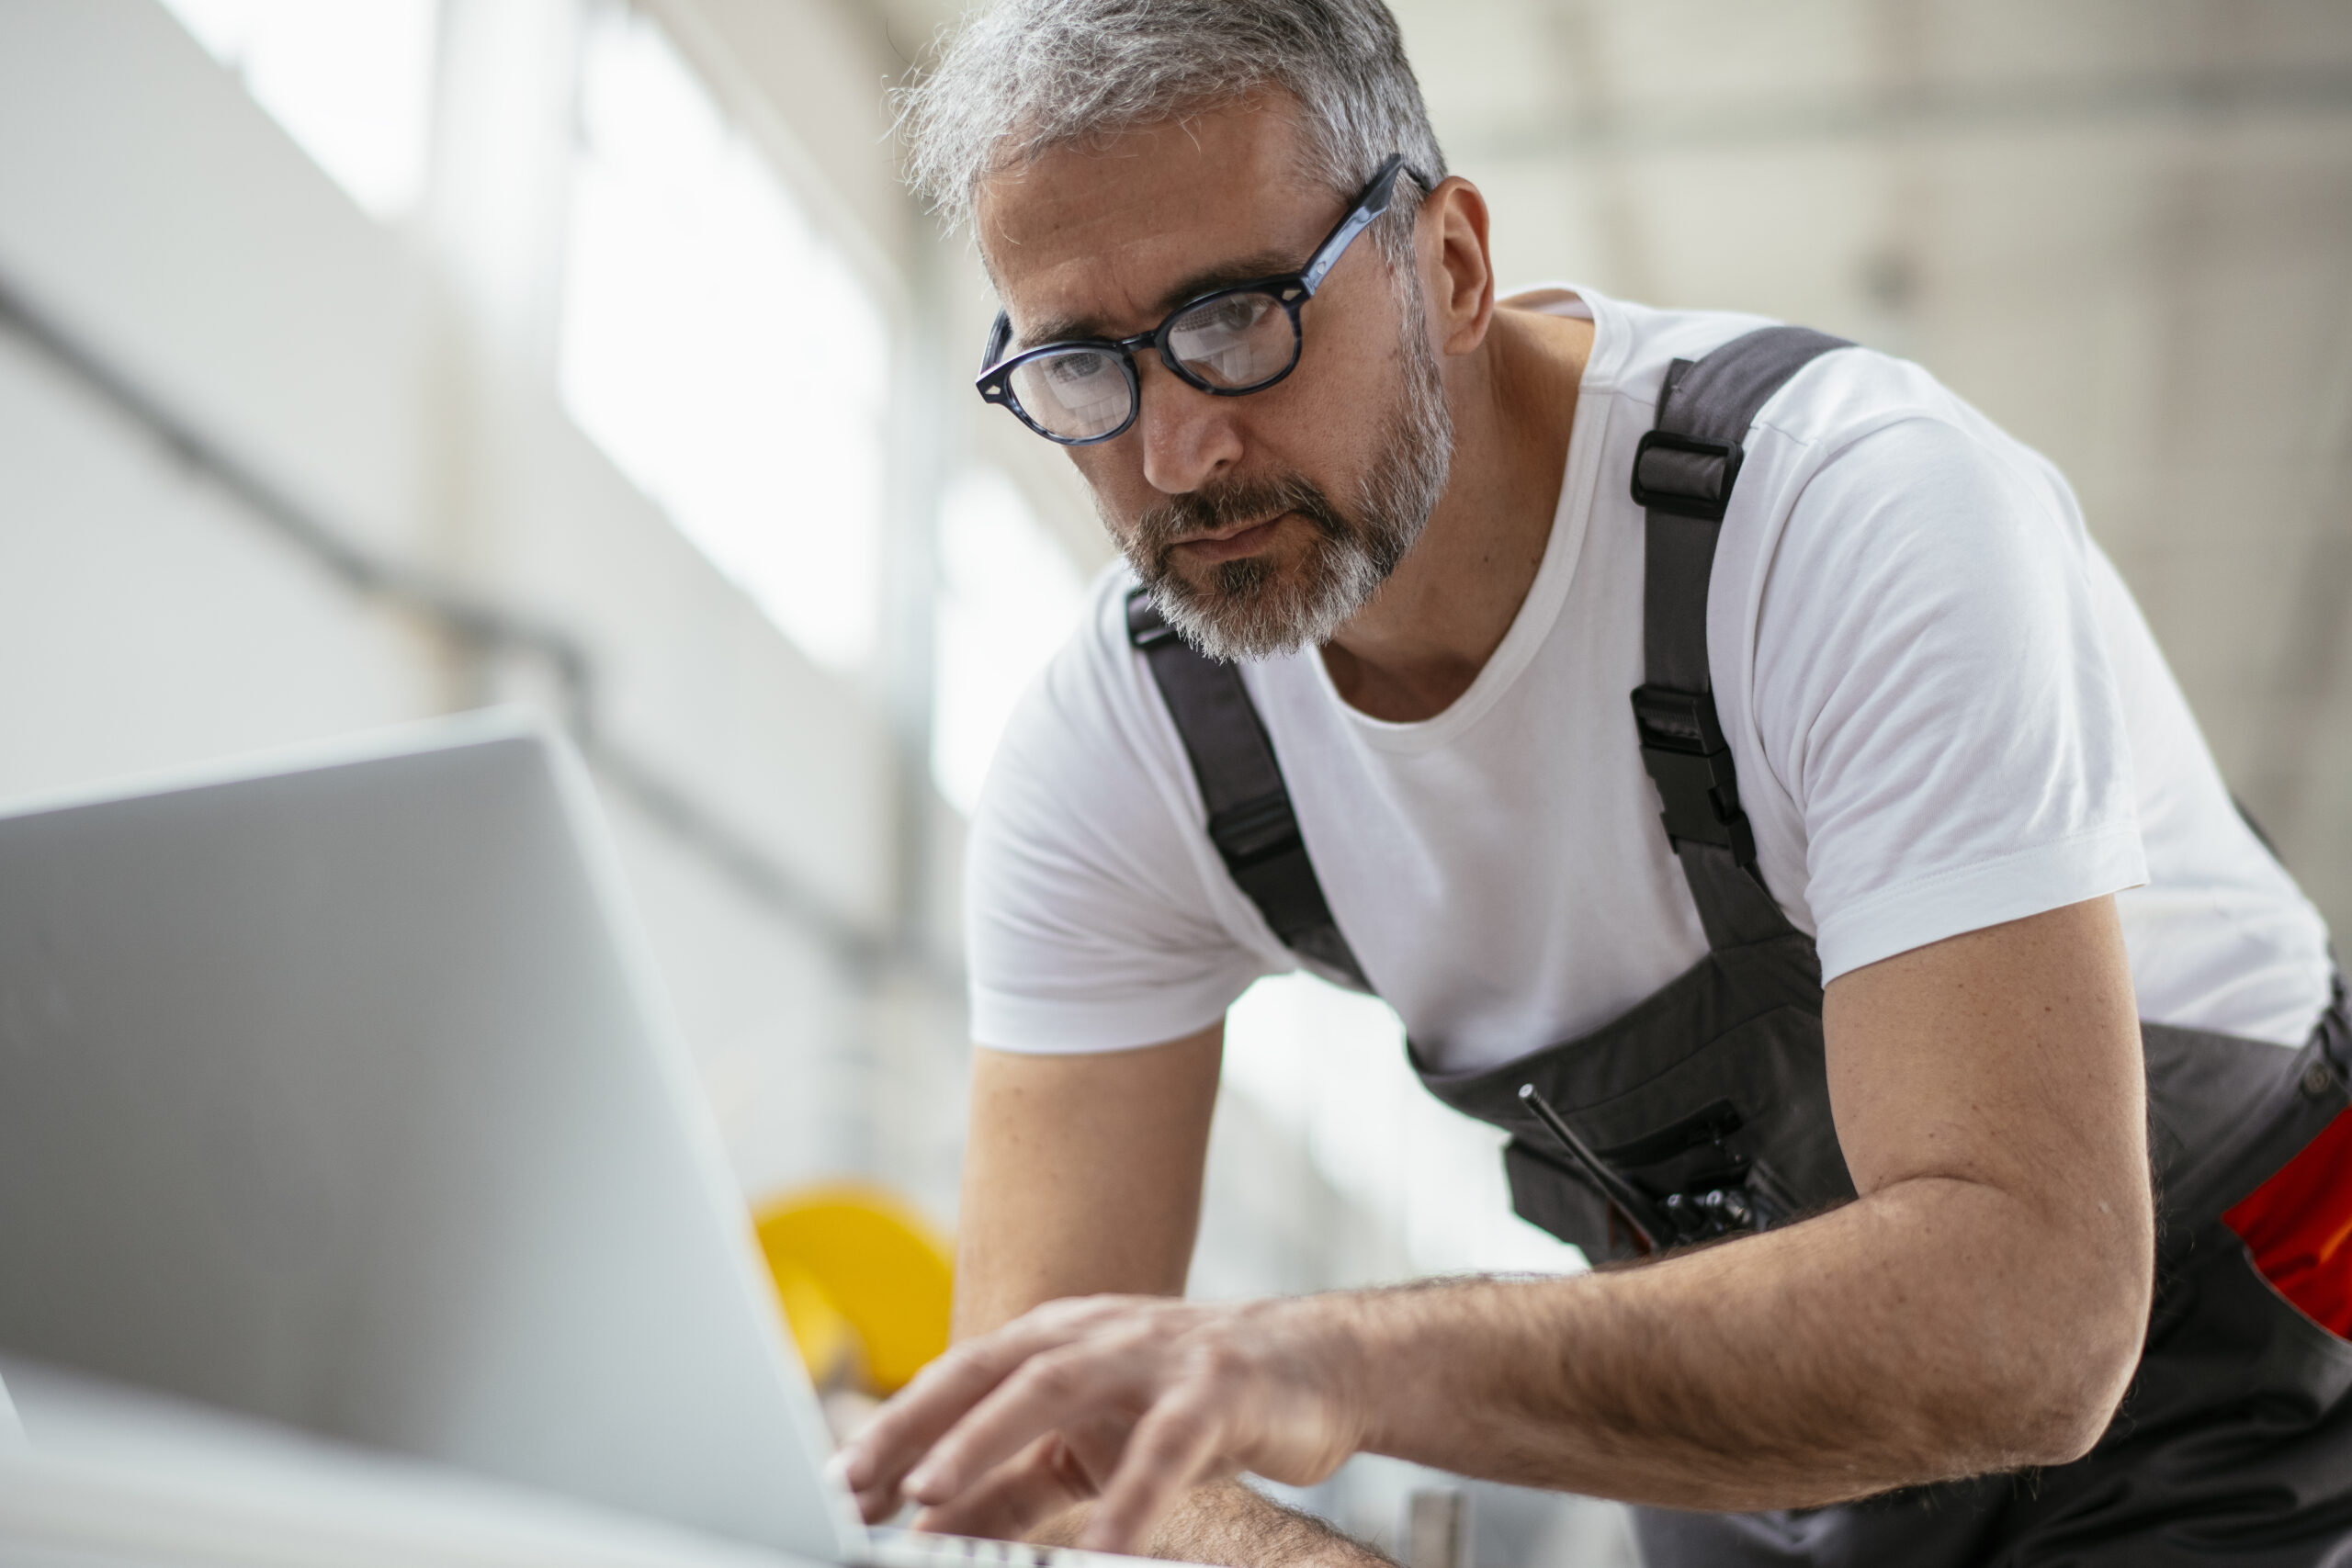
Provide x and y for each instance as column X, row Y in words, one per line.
column 1857, row 1046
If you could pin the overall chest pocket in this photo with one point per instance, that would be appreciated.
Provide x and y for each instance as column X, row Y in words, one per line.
column 1710, row 1099
column 1744, row 1120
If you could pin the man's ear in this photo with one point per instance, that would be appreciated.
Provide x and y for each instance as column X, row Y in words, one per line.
column 1457, row 265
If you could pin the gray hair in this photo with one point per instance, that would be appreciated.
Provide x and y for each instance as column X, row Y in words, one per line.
column 1026, row 76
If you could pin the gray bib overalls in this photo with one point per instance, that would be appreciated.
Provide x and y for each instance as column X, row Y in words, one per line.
column 1705, row 1110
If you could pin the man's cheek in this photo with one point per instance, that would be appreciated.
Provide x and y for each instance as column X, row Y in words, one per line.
column 1116, row 485
column 1119, row 514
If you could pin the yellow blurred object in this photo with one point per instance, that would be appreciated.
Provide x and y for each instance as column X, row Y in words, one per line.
column 864, row 1282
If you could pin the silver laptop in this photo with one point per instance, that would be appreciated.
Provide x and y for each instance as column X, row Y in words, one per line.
column 336, row 1090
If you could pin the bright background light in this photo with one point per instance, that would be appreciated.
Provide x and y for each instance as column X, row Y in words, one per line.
column 720, row 350
column 352, row 82
column 1009, row 598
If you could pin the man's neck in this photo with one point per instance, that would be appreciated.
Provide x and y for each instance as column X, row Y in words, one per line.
column 1409, row 654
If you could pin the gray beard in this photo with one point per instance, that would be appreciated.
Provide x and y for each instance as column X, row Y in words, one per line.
column 1249, row 609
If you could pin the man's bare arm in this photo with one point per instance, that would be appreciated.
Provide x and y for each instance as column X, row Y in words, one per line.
column 1082, row 1176
column 1979, row 1307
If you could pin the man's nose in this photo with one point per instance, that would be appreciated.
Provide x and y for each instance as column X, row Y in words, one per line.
column 1189, row 437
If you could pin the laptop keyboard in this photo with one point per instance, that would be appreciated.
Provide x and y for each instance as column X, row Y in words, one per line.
column 917, row 1549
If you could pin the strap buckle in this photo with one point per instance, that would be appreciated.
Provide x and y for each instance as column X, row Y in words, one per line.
column 1266, row 855
column 1689, row 761
column 1255, row 831
column 1691, row 476
column 1147, row 628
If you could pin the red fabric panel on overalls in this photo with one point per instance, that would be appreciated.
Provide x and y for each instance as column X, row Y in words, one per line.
column 2297, row 1226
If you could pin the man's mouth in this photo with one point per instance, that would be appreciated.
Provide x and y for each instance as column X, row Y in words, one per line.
column 1231, row 544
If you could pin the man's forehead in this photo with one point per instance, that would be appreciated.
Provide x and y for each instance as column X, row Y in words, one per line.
column 1107, row 233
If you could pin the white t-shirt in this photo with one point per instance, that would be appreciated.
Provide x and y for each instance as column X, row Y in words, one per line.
column 1945, row 710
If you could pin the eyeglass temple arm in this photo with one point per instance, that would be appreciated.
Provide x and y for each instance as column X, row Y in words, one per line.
column 1370, row 203
column 1000, row 339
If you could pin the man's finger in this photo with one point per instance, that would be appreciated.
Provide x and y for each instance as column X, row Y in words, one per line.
column 1014, row 1498
column 1052, row 1389
column 874, row 1463
column 1173, row 1449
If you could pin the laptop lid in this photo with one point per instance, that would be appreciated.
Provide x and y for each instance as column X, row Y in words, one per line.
column 337, row 1088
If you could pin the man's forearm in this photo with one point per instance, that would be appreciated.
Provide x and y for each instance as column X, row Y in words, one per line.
column 1228, row 1523
column 1936, row 1327
column 1900, row 1339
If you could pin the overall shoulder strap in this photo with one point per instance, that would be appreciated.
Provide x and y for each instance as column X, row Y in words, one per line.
column 1683, row 473
column 1250, row 820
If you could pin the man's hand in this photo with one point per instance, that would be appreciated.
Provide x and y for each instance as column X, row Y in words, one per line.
column 1083, row 1176
column 1129, row 1402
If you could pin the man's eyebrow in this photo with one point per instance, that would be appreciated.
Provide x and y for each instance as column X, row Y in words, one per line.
column 1243, row 270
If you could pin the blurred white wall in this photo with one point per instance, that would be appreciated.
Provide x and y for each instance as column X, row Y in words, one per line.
column 159, row 223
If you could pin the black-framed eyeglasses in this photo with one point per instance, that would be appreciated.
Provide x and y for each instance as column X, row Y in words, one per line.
column 1233, row 340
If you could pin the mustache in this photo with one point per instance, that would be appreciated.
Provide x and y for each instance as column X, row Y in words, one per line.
column 1237, row 503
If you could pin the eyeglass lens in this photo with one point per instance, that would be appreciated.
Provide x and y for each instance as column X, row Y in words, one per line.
column 1234, row 340
column 1228, row 342
column 1077, row 394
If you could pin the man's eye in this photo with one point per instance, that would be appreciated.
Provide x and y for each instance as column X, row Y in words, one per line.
column 1235, row 313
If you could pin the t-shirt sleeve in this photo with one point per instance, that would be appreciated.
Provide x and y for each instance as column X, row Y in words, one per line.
column 1932, row 692
column 1088, row 924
